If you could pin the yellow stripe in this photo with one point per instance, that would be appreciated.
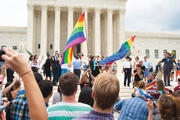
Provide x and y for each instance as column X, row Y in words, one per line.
column 79, row 24
column 69, row 55
column 130, row 42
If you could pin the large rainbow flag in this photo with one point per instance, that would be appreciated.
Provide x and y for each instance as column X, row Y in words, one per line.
column 121, row 53
column 76, row 37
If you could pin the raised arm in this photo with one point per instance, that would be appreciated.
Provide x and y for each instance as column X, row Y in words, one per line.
column 18, row 63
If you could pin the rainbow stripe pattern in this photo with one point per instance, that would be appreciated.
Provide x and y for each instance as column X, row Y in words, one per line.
column 173, row 56
column 77, row 36
column 121, row 53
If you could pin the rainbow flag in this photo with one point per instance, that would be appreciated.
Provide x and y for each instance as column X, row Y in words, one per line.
column 173, row 56
column 76, row 37
column 152, row 88
column 121, row 53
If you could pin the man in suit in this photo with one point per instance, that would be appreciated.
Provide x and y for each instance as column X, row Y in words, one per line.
column 167, row 68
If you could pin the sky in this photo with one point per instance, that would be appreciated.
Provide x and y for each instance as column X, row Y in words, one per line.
column 141, row 15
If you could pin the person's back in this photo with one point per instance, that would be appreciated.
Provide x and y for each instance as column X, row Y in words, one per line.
column 69, row 108
column 67, row 111
column 105, row 93
column 132, row 109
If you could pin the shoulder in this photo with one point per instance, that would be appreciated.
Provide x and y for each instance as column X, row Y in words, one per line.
column 82, row 105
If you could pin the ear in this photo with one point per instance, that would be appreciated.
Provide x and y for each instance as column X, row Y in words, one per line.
column 92, row 94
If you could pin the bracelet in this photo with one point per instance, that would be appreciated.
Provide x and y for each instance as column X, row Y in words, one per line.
column 25, row 73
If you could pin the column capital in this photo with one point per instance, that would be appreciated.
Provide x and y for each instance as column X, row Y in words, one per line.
column 122, row 11
column 44, row 7
column 57, row 8
column 97, row 10
column 31, row 7
column 70, row 8
column 85, row 10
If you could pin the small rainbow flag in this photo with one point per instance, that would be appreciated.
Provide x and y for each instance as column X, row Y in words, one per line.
column 76, row 37
column 120, row 54
column 173, row 56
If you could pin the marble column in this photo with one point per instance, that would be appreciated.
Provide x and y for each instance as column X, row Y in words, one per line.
column 43, row 49
column 57, row 29
column 30, row 28
column 109, row 33
column 84, row 47
column 70, row 21
column 97, row 43
column 121, row 27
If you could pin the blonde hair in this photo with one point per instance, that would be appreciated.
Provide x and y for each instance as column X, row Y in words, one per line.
column 106, row 89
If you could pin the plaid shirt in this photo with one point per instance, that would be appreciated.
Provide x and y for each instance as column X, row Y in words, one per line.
column 19, row 108
column 132, row 109
column 94, row 115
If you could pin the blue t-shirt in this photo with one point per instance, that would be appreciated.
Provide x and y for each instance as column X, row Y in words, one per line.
column 178, row 66
column 77, row 64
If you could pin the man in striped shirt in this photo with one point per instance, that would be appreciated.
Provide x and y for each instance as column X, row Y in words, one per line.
column 69, row 108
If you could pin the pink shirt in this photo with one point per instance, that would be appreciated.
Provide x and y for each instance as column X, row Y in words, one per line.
column 177, row 88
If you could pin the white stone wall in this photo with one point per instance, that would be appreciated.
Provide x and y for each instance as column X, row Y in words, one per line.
column 16, row 36
column 13, row 36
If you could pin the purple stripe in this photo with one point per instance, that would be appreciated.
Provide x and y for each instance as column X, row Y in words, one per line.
column 75, row 42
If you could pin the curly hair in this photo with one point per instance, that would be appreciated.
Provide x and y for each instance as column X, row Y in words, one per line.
column 168, row 106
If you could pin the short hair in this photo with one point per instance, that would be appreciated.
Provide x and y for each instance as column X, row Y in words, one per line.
column 138, row 65
column 46, row 87
column 38, row 77
column 68, row 83
column 137, row 58
column 141, row 84
column 85, row 96
column 106, row 89
column 168, row 107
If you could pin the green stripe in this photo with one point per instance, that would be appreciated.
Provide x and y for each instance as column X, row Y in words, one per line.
column 60, row 118
column 79, row 29
column 66, row 56
column 69, row 108
column 127, row 45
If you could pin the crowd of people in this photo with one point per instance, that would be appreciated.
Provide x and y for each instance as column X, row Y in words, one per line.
column 26, row 89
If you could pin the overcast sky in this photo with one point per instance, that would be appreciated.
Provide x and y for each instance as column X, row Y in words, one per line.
column 141, row 15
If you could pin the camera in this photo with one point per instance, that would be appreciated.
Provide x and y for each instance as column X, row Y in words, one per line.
column 1, row 53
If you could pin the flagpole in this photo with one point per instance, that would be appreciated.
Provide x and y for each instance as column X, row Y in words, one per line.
column 85, row 30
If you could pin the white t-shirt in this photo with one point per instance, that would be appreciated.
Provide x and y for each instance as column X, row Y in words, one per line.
column 127, row 64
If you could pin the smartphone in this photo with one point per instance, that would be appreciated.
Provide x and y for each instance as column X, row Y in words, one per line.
column 1, row 53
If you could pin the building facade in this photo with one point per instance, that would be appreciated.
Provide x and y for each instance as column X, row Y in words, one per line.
column 50, row 22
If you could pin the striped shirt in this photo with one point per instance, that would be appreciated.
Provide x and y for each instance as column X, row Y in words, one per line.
column 67, row 111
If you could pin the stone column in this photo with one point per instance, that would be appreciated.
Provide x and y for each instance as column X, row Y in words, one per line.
column 70, row 21
column 121, row 27
column 43, row 50
column 84, row 47
column 30, row 28
column 109, row 33
column 57, row 29
column 97, row 43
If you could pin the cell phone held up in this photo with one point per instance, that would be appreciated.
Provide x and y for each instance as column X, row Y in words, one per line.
column 1, row 53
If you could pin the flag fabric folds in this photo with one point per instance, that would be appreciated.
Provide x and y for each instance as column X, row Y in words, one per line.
column 77, row 36
column 173, row 56
column 121, row 53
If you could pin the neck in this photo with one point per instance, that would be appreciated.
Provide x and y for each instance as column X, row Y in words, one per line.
column 69, row 99
column 96, row 108
column 46, row 100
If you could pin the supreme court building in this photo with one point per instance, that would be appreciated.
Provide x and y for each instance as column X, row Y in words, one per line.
column 50, row 22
